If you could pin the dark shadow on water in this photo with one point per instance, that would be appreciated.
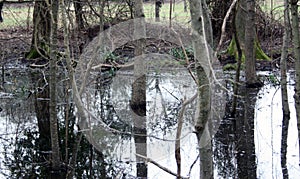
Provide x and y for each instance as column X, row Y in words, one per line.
column 234, row 149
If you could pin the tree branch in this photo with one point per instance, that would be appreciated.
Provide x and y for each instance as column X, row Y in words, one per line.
column 160, row 166
column 224, row 25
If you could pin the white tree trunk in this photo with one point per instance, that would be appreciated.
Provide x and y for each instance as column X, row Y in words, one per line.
column 202, row 43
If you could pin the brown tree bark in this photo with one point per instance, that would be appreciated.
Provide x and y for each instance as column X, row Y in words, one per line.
column 250, row 70
column 53, row 6
column 41, row 30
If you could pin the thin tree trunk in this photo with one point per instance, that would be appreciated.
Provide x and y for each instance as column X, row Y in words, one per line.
column 52, row 84
column 207, row 22
column 78, row 14
column 170, row 13
column 138, row 99
column 185, row 5
column 296, row 42
column 284, row 95
column 238, row 69
column 158, row 4
column 1, row 5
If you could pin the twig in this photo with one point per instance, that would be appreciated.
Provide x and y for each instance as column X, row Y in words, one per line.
column 38, row 66
column 224, row 25
column 114, row 65
column 186, row 58
column 160, row 166
column 193, row 164
column 178, row 133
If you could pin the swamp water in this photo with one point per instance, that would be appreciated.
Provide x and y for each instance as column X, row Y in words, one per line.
column 111, row 103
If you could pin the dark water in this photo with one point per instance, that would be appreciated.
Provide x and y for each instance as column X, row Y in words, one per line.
column 238, row 151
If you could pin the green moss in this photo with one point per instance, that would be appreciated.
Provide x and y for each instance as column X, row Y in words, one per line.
column 34, row 53
column 230, row 67
column 259, row 53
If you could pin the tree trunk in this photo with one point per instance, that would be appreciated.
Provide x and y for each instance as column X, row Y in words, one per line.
column 208, row 25
column 41, row 30
column 296, row 42
column 158, row 4
column 201, row 44
column 284, row 95
column 250, row 70
column 185, row 5
column 1, row 5
column 138, row 98
column 52, row 84
column 78, row 14
column 245, row 26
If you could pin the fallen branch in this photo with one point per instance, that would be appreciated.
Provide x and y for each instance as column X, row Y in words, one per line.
column 38, row 66
column 112, row 65
column 160, row 166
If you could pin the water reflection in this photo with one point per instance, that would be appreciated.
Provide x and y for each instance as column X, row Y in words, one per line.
column 268, row 134
column 247, row 146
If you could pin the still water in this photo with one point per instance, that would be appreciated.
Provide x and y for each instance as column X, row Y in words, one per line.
column 17, row 117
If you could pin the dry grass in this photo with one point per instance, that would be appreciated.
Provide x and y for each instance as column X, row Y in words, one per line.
column 16, row 16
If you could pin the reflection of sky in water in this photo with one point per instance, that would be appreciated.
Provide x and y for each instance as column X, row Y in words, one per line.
column 163, row 94
column 173, row 88
column 268, row 122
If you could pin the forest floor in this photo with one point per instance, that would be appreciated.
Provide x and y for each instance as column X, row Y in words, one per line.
column 15, row 42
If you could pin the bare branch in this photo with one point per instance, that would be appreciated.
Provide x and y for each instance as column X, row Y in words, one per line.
column 224, row 25
column 160, row 166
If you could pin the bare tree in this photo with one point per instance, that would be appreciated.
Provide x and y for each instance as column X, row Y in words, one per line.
column 296, row 43
column 284, row 95
column 41, row 30
column 53, row 6
column 138, row 98
column 202, row 50
column 251, row 78
column 245, row 29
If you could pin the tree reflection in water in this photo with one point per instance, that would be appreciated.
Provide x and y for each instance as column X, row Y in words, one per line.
column 234, row 147
column 24, row 157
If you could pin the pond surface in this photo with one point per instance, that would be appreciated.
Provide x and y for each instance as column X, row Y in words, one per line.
column 111, row 102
